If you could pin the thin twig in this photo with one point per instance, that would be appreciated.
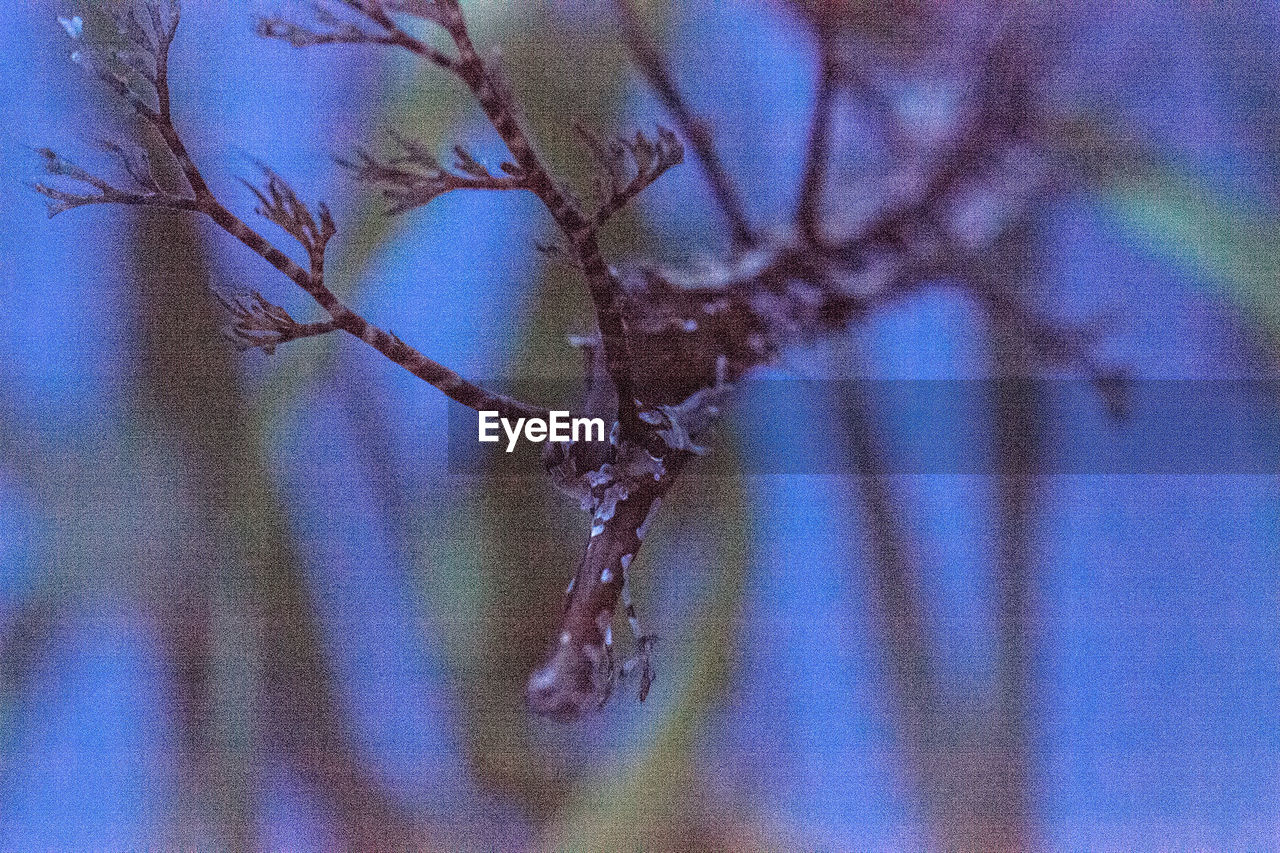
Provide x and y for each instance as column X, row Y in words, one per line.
column 430, row 371
column 391, row 33
column 281, row 205
column 643, row 158
column 654, row 66
column 499, row 105
column 818, row 150
column 414, row 176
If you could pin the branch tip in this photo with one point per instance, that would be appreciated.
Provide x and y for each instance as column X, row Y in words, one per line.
column 414, row 176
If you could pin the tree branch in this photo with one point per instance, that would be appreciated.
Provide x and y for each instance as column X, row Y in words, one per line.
column 259, row 323
column 414, row 177
column 726, row 320
column 818, row 150
column 499, row 105
column 580, row 674
column 653, row 65
column 453, row 385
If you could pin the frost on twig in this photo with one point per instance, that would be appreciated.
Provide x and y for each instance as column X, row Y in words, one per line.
column 414, row 176
column 598, row 490
column 681, row 424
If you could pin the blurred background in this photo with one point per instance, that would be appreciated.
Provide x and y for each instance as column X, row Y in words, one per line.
column 246, row 603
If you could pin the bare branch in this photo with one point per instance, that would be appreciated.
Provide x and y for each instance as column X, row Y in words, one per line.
column 138, row 166
column 330, row 30
column 628, row 166
column 279, row 203
column 499, row 104
column 654, row 67
column 165, row 28
column 260, row 322
column 415, row 177
column 818, row 151
column 694, row 334
column 257, row 323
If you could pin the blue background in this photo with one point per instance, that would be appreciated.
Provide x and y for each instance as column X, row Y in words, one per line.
column 1157, row 631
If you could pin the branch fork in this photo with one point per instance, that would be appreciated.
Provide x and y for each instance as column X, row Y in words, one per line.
column 705, row 332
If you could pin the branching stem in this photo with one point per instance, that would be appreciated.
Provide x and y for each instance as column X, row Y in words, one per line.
column 498, row 103
column 283, row 208
column 654, row 66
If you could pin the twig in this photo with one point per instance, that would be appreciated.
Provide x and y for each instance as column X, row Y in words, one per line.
column 499, row 105
column 654, row 67
column 414, row 176
column 818, row 150
column 731, row 320
column 277, row 202
column 453, row 385
column 337, row 31
column 257, row 323
column 647, row 159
